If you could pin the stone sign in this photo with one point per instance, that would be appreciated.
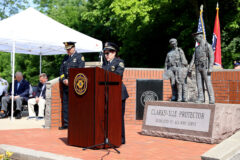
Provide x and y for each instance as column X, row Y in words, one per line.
column 206, row 123
column 178, row 118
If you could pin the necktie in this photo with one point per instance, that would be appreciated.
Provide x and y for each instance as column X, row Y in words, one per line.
column 18, row 84
column 42, row 90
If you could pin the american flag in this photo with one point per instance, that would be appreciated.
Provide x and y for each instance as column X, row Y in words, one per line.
column 201, row 26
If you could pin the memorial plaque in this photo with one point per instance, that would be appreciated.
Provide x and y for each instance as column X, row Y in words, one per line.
column 205, row 123
column 178, row 118
column 147, row 90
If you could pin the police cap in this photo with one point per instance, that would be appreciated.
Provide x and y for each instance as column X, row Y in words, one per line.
column 172, row 40
column 197, row 33
column 109, row 46
column 69, row 45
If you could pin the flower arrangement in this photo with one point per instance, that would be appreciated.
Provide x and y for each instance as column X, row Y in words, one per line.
column 6, row 156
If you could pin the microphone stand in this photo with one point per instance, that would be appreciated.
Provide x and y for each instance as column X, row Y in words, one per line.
column 106, row 117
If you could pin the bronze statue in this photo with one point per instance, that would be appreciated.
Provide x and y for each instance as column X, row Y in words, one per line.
column 203, row 59
column 176, row 70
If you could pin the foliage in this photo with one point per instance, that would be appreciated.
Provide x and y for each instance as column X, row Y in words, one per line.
column 6, row 156
column 142, row 29
column 10, row 7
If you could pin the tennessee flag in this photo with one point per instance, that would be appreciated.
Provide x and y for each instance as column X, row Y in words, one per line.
column 216, row 40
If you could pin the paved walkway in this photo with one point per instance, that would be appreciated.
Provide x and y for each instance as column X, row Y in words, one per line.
column 24, row 123
column 138, row 147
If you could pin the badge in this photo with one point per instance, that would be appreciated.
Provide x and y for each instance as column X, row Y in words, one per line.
column 74, row 60
column 62, row 76
column 112, row 68
column 83, row 59
column 5, row 83
column 80, row 84
column 121, row 64
column 2, row 84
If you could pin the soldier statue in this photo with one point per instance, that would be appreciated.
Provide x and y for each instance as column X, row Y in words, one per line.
column 203, row 59
column 176, row 70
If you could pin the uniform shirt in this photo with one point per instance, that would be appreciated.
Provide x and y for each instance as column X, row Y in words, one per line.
column 117, row 66
column 74, row 61
column 3, row 86
column 203, row 56
column 175, row 58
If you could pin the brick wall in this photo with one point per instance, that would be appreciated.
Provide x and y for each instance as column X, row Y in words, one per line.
column 226, row 84
column 129, row 79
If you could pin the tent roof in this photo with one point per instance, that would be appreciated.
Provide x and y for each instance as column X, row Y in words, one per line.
column 36, row 33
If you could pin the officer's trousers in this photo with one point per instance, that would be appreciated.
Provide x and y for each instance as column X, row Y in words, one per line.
column 123, row 124
column 202, row 78
column 65, row 106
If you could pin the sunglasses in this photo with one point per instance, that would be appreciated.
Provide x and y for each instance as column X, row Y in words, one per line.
column 107, row 53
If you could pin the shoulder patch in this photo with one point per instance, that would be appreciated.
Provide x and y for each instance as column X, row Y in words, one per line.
column 121, row 64
column 62, row 76
column 83, row 59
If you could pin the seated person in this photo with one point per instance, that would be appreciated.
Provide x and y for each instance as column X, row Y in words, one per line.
column 237, row 64
column 3, row 88
column 39, row 99
column 21, row 93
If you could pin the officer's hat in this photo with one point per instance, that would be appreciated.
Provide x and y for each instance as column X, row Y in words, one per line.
column 109, row 46
column 197, row 33
column 69, row 45
column 172, row 40
column 236, row 63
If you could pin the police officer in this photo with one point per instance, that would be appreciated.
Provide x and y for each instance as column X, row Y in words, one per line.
column 72, row 60
column 3, row 88
column 116, row 65
column 176, row 68
column 203, row 59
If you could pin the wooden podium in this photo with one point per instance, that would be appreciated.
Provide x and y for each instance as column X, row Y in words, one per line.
column 87, row 117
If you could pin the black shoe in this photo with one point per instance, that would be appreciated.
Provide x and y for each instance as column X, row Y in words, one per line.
column 18, row 115
column 211, row 102
column 123, row 141
column 40, row 118
column 4, row 115
column 199, row 101
column 179, row 100
column 63, row 127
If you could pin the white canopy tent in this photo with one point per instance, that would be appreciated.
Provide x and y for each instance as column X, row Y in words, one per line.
column 31, row 32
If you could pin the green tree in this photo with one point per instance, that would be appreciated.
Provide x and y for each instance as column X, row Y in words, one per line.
column 10, row 7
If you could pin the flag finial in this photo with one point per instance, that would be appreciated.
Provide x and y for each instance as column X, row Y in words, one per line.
column 201, row 7
column 217, row 6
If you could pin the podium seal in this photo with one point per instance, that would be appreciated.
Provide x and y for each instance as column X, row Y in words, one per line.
column 80, row 83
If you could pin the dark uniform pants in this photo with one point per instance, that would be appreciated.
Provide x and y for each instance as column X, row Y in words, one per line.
column 65, row 106
column 123, row 126
column 202, row 78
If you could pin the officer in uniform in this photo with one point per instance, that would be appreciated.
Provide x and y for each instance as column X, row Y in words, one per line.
column 3, row 88
column 72, row 60
column 116, row 65
column 176, row 70
column 203, row 59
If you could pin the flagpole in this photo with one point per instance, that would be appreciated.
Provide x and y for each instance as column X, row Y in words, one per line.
column 217, row 8
column 201, row 11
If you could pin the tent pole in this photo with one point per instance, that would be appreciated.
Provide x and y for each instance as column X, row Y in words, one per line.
column 13, row 70
column 40, row 65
